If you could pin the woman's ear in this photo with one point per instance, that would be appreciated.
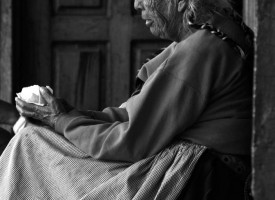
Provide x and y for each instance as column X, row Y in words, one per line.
column 181, row 5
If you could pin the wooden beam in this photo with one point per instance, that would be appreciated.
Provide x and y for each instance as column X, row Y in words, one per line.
column 249, row 13
column 263, row 150
column 6, row 50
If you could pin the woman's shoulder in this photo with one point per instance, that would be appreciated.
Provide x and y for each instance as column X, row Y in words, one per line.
column 203, row 51
column 203, row 42
column 203, row 58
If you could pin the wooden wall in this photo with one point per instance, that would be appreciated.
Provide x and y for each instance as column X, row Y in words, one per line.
column 264, row 100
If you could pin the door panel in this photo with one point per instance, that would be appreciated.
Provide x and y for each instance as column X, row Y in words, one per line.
column 78, row 3
column 79, row 74
column 80, row 7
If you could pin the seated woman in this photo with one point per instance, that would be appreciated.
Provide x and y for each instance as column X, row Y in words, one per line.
column 184, row 134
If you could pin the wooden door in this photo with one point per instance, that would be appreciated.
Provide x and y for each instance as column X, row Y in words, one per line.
column 87, row 50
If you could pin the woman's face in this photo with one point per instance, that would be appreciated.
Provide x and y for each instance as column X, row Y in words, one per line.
column 157, row 16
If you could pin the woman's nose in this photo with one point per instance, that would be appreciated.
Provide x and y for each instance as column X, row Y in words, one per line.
column 138, row 4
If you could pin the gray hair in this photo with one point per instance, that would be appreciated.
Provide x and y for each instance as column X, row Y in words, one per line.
column 197, row 11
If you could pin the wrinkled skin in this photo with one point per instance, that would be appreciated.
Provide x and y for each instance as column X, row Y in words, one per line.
column 151, row 18
column 162, row 17
column 46, row 114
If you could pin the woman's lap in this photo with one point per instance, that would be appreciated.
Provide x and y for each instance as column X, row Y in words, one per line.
column 55, row 167
column 42, row 164
column 44, row 155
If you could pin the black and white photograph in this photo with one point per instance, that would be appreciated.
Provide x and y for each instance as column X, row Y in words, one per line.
column 137, row 100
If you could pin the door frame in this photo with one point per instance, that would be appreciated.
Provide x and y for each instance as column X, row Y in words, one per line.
column 6, row 70
column 259, row 14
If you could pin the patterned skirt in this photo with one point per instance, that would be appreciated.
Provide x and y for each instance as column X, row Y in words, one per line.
column 39, row 164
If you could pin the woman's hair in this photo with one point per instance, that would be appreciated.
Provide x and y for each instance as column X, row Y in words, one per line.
column 197, row 11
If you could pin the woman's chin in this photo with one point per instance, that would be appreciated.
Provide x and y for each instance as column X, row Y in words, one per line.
column 157, row 33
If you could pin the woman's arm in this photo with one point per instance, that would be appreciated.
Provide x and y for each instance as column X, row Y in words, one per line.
column 163, row 110
column 109, row 114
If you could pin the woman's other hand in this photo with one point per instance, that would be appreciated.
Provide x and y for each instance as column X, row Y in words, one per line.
column 8, row 113
column 47, row 114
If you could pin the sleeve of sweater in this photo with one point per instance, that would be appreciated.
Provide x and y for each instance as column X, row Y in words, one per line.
column 167, row 105
column 109, row 114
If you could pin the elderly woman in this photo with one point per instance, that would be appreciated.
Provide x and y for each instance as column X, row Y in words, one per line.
column 184, row 134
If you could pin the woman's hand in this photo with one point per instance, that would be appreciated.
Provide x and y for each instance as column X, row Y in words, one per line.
column 8, row 113
column 47, row 114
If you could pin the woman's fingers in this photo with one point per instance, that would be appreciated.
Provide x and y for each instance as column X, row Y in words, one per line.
column 47, row 95
column 21, row 104
column 25, row 113
column 27, row 109
column 46, row 114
